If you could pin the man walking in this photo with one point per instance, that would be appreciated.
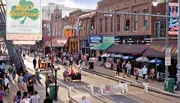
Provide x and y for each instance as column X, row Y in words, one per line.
column 129, row 67
column 34, row 63
column 144, row 71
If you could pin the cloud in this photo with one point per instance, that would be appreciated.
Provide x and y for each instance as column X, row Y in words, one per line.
column 83, row 4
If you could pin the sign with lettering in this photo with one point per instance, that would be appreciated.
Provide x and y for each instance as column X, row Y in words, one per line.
column 168, row 57
column 108, row 39
column 173, row 23
column 68, row 31
column 23, row 18
column 95, row 39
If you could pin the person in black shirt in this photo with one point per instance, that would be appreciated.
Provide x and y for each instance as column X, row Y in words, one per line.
column 48, row 100
column 34, row 63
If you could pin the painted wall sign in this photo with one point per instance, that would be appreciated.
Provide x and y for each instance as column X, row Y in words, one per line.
column 24, row 17
column 173, row 23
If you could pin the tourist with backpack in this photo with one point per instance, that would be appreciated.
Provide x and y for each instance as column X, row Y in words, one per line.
column 2, row 93
column 17, row 98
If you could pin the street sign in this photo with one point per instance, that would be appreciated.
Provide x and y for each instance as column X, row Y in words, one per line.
column 168, row 57
column 107, row 15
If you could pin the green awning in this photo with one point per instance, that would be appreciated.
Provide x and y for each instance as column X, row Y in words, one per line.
column 102, row 46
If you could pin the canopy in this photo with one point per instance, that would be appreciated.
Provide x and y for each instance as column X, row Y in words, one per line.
column 156, row 61
column 116, row 55
column 142, row 59
column 102, row 46
column 127, row 58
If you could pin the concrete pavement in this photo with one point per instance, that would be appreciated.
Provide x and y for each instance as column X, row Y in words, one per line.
column 153, row 85
column 135, row 94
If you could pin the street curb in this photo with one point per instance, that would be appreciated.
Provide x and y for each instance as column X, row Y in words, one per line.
column 132, row 83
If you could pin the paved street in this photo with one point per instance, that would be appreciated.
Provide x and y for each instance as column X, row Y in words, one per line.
column 136, row 95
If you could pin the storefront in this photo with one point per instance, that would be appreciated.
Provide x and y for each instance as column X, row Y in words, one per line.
column 94, row 40
column 73, row 45
column 84, row 46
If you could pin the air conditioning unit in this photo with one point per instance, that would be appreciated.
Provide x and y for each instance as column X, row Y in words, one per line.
column 145, row 27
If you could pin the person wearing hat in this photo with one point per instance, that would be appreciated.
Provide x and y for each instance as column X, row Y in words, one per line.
column 144, row 71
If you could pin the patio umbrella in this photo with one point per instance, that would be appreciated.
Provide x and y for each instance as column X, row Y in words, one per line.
column 127, row 58
column 156, row 61
column 105, row 55
column 116, row 55
column 119, row 56
column 142, row 59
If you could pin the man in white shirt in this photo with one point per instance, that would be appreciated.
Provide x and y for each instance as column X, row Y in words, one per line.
column 35, row 98
column 144, row 71
column 84, row 100
column 129, row 67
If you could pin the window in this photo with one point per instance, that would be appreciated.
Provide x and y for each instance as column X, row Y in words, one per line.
column 100, row 25
column 158, row 29
column 127, row 23
column 145, row 11
column 118, row 23
column 111, row 24
column 135, row 21
column 106, row 25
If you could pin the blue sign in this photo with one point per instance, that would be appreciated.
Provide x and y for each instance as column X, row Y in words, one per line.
column 95, row 39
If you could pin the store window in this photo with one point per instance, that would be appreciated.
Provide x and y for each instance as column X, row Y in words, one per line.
column 106, row 24
column 118, row 23
column 111, row 24
column 145, row 11
column 100, row 25
column 135, row 21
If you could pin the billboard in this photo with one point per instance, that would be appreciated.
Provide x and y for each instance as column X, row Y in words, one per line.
column 24, row 18
column 173, row 23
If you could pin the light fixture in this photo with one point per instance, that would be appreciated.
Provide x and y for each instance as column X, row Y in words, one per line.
column 154, row 2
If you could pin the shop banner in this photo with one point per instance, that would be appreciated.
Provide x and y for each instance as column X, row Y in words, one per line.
column 24, row 18
column 95, row 39
column 108, row 39
column 173, row 23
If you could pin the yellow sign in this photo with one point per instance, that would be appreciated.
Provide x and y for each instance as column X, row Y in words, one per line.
column 68, row 32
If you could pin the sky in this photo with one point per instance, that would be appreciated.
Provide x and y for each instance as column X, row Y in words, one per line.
column 83, row 4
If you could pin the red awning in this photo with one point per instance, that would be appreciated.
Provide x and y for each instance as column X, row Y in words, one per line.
column 128, row 49
column 158, row 47
column 57, row 42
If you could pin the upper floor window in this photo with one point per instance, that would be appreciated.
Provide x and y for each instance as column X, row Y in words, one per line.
column 127, row 23
column 135, row 21
column 145, row 11
column 100, row 25
column 111, row 24
column 106, row 24
column 118, row 23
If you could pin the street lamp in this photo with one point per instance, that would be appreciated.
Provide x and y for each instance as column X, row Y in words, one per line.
column 154, row 2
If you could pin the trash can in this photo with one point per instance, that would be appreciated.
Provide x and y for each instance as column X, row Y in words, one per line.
column 53, row 92
column 169, row 84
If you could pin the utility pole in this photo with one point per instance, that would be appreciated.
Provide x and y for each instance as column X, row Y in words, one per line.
column 167, row 35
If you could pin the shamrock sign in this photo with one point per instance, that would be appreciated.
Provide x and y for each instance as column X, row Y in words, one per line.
column 25, row 9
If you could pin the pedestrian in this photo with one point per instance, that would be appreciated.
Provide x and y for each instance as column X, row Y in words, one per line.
column 71, row 60
column 34, row 63
column 129, row 67
column 3, row 67
column 124, row 68
column 84, row 100
column 35, row 98
column 2, row 93
column 48, row 100
column 118, row 68
column 25, row 99
column 6, row 84
column 26, row 76
column 144, row 71
column 70, row 101
column 30, row 86
column 17, row 98
column 99, row 60
column 10, row 70
column 14, row 71
column 20, row 82
column 136, row 73
column 152, row 73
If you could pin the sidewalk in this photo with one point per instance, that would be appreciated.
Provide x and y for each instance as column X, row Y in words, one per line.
column 154, row 85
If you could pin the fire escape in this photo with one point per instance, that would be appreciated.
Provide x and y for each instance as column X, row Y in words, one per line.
column 13, row 51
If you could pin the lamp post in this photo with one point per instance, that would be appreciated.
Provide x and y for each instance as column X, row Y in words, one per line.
column 155, row 3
